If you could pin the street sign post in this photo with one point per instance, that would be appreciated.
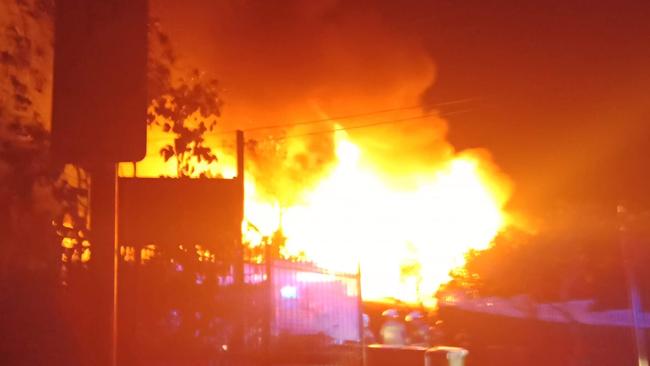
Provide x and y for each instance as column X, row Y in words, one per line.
column 100, row 70
column 99, row 119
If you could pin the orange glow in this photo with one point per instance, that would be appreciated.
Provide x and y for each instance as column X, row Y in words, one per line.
column 405, row 238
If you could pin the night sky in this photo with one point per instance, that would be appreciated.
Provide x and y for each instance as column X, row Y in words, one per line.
column 565, row 91
column 559, row 89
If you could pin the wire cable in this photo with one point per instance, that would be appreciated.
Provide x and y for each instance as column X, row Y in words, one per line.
column 362, row 114
column 339, row 118
column 368, row 125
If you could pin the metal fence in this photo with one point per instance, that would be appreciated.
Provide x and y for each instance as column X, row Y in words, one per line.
column 316, row 315
column 177, row 309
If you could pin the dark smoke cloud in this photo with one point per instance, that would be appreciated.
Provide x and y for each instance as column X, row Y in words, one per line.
column 289, row 61
column 277, row 59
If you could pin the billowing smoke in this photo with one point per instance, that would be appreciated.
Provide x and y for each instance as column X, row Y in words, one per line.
column 293, row 61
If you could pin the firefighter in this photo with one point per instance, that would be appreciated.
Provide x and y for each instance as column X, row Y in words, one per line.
column 368, row 335
column 418, row 329
column 393, row 330
column 437, row 334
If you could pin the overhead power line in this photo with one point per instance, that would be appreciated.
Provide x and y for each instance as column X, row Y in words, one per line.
column 368, row 125
column 350, row 116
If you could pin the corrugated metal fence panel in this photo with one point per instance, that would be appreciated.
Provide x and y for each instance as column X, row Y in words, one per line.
column 315, row 316
column 176, row 310
column 308, row 301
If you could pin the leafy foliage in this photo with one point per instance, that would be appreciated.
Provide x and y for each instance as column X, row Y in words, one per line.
column 576, row 255
column 187, row 107
column 27, row 175
column 32, row 192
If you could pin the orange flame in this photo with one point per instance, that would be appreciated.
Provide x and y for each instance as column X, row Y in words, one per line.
column 406, row 240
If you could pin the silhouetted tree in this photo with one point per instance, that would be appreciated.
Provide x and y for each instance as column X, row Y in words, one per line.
column 187, row 106
column 27, row 177
column 31, row 190
column 575, row 255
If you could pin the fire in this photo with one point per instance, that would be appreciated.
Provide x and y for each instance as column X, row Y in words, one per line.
column 404, row 238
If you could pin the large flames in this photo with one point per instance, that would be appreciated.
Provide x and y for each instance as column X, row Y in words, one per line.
column 405, row 238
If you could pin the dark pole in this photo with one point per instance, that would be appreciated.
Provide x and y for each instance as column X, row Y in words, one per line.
column 632, row 286
column 362, row 325
column 238, row 341
column 269, row 257
column 103, row 211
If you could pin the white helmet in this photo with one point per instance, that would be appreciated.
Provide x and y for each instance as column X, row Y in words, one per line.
column 414, row 315
column 390, row 313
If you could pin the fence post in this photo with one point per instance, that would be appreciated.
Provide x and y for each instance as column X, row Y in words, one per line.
column 362, row 326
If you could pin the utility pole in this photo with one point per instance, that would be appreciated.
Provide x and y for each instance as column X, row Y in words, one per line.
column 103, row 225
column 239, row 277
column 629, row 265
column 99, row 110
